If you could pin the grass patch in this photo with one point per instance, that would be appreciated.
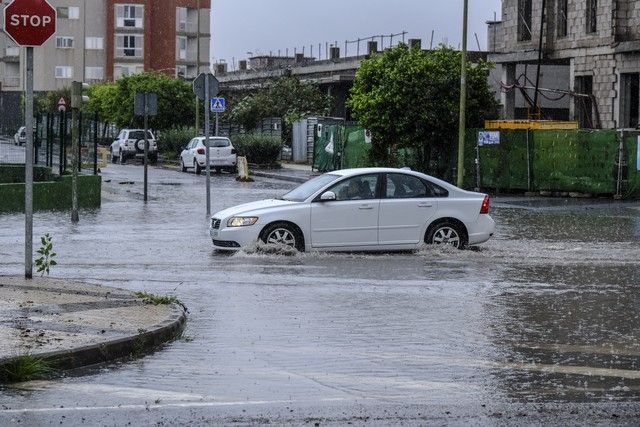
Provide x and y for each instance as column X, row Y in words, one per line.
column 24, row 368
column 157, row 300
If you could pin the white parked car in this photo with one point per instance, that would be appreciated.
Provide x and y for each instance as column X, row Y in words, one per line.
column 222, row 155
column 130, row 143
column 364, row 209
column 20, row 137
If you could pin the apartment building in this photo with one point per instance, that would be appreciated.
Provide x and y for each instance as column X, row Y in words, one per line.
column 100, row 40
column 590, row 48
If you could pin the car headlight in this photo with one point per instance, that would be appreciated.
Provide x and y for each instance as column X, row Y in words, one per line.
column 241, row 221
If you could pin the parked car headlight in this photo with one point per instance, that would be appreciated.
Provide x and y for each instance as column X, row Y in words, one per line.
column 241, row 221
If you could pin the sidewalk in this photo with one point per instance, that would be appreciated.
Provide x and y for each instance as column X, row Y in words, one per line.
column 289, row 172
column 76, row 324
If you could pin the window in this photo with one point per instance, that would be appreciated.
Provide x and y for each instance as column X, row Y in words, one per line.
column 592, row 16
column 524, row 20
column 123, row 70
column 129, row 15
column 64, row 72
column 68, row 12
column 584, row 103
column 401, row 186
column 563, row 6
column 181, row 18
column 129, row 46
column 181, row 71
column 361, row 187
column 182, row 48
column 94, row 73
column 630, row 100
column 94, row 43
column 64, row 42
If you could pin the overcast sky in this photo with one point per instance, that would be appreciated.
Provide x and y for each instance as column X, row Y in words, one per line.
column 261, row 26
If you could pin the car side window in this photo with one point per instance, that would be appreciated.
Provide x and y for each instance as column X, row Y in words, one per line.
column 362, row 187
column 401, row 186
column 435, row 190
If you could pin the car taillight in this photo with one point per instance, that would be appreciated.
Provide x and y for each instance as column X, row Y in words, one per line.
column 233, row 151
column 484, row 209
column 200, row 151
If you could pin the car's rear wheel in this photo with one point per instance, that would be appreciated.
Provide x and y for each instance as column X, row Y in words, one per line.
column 447, row 233
column 283, row 234
column 114, row 158
column 196, row 167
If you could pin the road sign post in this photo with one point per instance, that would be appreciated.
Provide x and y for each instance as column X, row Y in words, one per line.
column 206, row 86
column 29, row 23
column 146, row 104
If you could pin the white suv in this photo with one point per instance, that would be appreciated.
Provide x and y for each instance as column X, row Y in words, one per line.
column 130, row 143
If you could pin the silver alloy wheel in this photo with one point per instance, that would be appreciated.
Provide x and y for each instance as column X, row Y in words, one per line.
column 446, row 236
column 282, row 236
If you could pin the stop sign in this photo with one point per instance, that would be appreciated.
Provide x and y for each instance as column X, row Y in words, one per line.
column 30, row 22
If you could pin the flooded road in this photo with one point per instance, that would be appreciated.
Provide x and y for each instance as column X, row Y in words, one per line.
column 540, row 321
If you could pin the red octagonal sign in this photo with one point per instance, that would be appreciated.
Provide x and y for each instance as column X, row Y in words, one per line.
column 30, row 22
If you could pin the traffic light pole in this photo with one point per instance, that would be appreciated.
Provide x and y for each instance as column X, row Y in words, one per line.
column 28, row 170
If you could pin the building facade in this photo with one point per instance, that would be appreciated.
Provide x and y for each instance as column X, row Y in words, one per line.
column 590, row 46
column 99, row 40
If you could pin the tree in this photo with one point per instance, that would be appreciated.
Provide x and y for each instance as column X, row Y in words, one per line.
column 114, row 101
column 409, row 99
column 285, row 97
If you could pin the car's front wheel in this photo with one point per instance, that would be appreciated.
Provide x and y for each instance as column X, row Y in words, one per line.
column 446, row 233
column 281, row 233
column 184, row 168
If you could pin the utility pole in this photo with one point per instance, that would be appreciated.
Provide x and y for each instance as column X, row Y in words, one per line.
column 197, row 104
column 536, row 109
column 463, row 97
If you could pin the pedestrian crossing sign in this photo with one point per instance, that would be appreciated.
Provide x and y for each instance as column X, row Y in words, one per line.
column 217, row 105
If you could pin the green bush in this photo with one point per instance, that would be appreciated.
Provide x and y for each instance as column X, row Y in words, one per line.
column 172, row 141
column 258, row 148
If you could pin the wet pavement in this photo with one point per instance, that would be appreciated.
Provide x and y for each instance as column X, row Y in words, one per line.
column 538, row 325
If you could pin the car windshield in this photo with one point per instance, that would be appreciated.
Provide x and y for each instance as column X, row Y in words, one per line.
column 304, row 191
column 139, row 134
column 219, row 142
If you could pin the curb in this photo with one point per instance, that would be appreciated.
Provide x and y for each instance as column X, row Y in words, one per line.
column 130, row 347
column 280, row 177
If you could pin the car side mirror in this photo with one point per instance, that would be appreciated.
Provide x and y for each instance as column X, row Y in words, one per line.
column 328, row 196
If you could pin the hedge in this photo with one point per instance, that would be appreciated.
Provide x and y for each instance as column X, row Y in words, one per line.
column 12, row 174
column 258, row 148
column 52, row 195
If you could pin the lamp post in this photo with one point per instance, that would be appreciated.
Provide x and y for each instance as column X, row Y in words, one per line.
column 463, row 97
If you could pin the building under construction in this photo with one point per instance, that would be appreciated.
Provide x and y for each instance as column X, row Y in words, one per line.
column 583, row 55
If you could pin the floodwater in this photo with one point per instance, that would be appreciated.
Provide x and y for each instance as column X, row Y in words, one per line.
column 544, row 315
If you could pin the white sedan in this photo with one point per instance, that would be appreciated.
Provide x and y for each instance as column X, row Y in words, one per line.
column 365, row 209
column 221, row 155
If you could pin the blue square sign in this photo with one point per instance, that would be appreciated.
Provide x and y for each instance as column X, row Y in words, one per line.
column 217, row 105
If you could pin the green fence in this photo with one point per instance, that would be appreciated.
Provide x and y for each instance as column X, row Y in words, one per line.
column 554, row 160
column 340, row 146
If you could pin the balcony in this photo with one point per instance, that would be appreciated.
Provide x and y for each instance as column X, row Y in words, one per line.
column 187, row 28
column 12, row 54
column 11, row 81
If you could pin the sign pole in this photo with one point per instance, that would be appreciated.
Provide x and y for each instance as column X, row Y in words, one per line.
column 76, row 91
column 28, row 168
column 206, row 140
column 146, row 142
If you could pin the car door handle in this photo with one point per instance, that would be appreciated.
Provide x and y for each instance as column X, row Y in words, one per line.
column 425, row 205
column 365, row 207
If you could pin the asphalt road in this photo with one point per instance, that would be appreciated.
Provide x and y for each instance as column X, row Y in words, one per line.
column 539, row 325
